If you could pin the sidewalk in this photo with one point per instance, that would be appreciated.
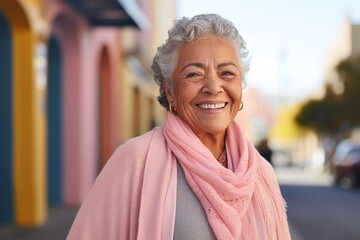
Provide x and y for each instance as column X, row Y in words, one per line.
column 300, row 176
column 56, row 228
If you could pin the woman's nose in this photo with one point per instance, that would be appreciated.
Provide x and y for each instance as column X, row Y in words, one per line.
column 213, row 84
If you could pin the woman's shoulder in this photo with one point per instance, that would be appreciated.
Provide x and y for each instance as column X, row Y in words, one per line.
column 127, row 162
column 133, row 150
column 138, row 144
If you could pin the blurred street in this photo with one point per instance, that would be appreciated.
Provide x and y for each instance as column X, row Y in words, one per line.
column 316, row 210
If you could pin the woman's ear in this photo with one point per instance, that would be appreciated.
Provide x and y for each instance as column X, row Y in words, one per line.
column 168, row 92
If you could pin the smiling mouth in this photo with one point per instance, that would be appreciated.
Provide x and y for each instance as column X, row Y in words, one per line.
column 212, row 106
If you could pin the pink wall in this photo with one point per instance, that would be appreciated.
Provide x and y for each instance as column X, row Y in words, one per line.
column 108, row 61
column 67, row 26
column 82, row 47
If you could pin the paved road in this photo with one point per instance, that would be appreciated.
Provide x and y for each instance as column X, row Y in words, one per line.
column 316, row 209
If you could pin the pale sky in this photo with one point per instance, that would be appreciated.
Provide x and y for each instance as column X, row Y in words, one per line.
column 288, row 40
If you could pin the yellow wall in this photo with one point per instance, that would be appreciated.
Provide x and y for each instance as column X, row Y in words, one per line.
column 29, row 121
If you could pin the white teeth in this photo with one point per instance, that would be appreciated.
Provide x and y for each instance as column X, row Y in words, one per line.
column 212, row 106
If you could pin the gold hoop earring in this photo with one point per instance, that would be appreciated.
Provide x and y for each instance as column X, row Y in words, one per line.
column 241, row 106
column 172, row 109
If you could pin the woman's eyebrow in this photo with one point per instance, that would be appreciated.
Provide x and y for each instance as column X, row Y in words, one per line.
column 199, row 65
column 227, row 64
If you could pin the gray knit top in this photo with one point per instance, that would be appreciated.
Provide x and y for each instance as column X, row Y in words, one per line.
column 190, row 218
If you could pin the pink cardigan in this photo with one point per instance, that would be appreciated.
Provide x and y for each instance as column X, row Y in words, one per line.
column 114, row 209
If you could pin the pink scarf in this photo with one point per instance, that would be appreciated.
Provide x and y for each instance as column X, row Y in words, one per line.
column 231, row 199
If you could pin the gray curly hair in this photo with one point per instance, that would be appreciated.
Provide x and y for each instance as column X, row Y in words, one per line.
column 187, row 30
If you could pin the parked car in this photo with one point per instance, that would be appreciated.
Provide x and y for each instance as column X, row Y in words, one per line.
column 346, row 164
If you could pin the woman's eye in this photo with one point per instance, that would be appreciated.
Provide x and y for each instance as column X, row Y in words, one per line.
column 227, row 74
column 194, row 77
column 192, row 74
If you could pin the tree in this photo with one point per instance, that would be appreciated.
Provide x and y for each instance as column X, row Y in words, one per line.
column 336, row 114
column 321, row 116
column 349, row 76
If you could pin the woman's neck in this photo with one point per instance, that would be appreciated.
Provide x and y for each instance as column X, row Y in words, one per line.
column 215, row 143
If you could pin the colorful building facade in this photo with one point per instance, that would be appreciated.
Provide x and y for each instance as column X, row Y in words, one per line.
column 74, row 84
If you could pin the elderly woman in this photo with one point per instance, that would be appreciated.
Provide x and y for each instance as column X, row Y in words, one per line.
column 197, row 176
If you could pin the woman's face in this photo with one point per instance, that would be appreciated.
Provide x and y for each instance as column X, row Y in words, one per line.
column 207, row 85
